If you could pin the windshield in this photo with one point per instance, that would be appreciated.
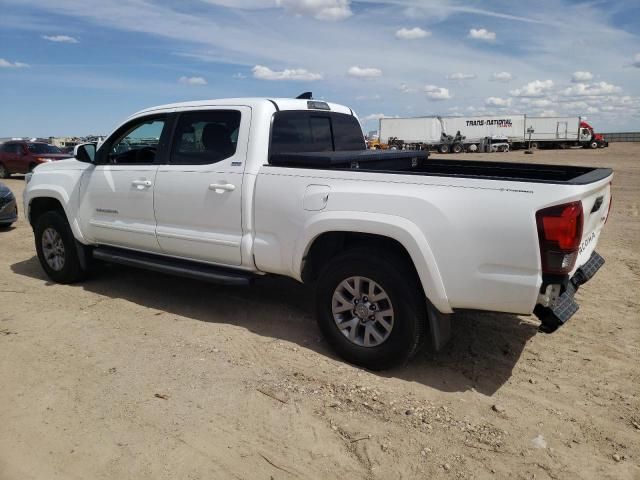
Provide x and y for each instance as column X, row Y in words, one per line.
column 43, row 148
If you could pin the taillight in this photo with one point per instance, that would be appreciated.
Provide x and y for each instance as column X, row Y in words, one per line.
column 559, row 232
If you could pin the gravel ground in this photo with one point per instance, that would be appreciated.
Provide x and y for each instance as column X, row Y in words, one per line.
column 139, row 375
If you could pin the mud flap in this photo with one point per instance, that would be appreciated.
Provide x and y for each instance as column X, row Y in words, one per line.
column 439, row 327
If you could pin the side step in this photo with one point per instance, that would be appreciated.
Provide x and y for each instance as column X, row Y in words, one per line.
column 173, row 266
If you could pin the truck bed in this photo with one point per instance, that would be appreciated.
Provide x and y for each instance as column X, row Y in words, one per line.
column 418, row 163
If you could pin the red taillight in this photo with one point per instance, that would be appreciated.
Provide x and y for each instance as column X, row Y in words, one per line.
column 559, row 232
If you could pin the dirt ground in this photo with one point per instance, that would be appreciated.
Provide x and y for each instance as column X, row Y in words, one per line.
column 139, row 375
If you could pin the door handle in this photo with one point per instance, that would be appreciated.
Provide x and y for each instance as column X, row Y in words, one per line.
column 225, row 187
column 140, row 184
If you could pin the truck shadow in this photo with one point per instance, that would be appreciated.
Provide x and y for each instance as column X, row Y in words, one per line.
column 484, row 349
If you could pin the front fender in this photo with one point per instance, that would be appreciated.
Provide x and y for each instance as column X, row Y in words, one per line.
column 59, row 193
column 397, row 228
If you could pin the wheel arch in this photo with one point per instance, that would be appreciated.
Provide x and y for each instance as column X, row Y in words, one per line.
column 40, row 201
column 328, row 234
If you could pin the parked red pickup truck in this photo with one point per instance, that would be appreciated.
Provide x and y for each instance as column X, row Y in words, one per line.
column 18, row 156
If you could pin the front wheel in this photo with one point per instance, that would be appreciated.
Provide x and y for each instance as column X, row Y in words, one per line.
column 57, row 250
column 593, row 144
column 444, row 148
column 370, row 308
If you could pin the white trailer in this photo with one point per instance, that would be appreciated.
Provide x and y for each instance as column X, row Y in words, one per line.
column 551, row 129
column 427, row 130
column 477, row 128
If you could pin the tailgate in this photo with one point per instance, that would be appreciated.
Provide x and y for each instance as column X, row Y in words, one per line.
column 595, row 207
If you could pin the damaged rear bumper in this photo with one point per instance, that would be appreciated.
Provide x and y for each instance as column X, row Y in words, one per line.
column 563, row 306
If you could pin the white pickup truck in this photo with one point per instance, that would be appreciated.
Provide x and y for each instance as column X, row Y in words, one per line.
column 393, row 242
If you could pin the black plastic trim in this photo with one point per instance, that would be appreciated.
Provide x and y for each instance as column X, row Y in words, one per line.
column 174, row 266
column 274, row 104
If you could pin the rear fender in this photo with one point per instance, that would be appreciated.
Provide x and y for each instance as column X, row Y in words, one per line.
column 397, row 228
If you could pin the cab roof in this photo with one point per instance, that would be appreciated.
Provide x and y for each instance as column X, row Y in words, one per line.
column 275, row 103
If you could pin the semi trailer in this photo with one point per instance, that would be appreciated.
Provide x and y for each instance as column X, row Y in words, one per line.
column 477, row 133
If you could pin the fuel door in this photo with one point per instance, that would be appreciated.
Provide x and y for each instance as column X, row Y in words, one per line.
column 316, row 197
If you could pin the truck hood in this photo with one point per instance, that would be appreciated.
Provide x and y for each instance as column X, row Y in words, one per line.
column 66, row 164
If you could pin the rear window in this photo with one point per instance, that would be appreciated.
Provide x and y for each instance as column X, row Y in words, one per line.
column 300, row 131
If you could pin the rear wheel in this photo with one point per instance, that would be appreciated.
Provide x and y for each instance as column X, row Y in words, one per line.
column 4, row 173
column 444, row 148
column 57, row 250
column 457, row 148
column 370, row 308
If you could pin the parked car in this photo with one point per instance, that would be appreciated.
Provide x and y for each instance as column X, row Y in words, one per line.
column 22, row 157
column 229, row 190
column 8, row 206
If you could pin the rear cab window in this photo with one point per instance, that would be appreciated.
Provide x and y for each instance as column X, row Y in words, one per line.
column 315, row 131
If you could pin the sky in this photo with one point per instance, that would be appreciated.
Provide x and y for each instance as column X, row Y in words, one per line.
column 78, row 67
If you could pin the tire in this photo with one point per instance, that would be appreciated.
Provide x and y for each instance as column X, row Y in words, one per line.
column 397, row 290
column 4, row 172
column 534, row 145
column 443, row 148
column 457, row 148
column 593, row 144
column 57, row 251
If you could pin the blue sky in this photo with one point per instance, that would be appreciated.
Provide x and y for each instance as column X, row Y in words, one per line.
column 75, row 67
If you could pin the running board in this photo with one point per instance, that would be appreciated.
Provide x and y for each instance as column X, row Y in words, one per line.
column 173, row 266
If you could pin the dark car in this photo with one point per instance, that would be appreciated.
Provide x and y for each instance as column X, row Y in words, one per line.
column 8, row 207
column 18, row 156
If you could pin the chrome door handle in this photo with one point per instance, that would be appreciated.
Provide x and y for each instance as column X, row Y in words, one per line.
column 225, row 187
column 140, row 184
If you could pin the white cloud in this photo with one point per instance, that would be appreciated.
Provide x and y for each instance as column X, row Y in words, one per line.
column 590, row 89
column 404, row 88
column 636, row 60
column 436, row 93
column 364, row 72
column 537, row 88
column 60, row 38
column 412, row 33
column 497, row 102
column 548, row 113
column 375, row 96
column 7, row 64
column 192, row 80
column 265, row 73
column 239, row 76
column 540, row 103
column 482, row 34
column 320, row 9
column 461, row 76
column 373, row 116
column 501, row 77
column 578, row 77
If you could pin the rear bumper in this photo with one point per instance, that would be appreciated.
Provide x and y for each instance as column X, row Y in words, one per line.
column 565, row 306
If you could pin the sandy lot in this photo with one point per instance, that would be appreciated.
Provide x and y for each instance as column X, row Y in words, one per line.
column 139, row 375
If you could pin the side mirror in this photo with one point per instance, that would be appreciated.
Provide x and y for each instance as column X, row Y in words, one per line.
column 85, row 152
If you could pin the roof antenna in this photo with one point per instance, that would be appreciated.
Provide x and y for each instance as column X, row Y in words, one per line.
column 305, row 96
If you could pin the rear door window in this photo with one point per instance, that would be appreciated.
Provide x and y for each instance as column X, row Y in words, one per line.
column 204, row 137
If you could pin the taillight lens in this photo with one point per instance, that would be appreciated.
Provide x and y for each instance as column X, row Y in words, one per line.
column 560, row 232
